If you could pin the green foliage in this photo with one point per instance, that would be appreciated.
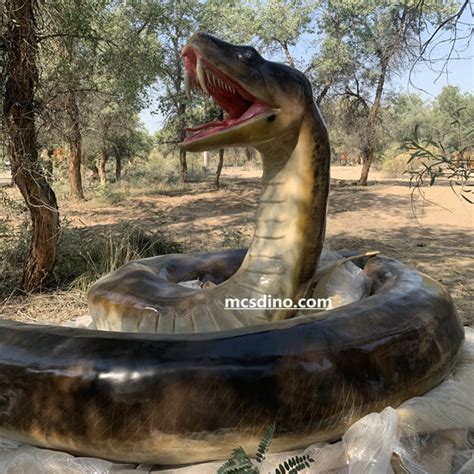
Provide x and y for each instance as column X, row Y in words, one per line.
column 236, row 20
column 279, row 24
column 180, row 19
column 448, row 153
column 241, row 463
column 100, row 57
column 265, row 443
column 405, row 112
column 160, row 171
column 452, row 119
column 438, row 122
column 294, row 464
column 238, row 463
column 111, row 53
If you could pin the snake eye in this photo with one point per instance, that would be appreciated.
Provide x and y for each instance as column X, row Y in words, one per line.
column 249, row 54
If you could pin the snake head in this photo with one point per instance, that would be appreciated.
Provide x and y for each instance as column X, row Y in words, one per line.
column 263, row 100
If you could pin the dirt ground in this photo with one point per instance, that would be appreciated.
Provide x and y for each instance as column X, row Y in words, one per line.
column 433, row 233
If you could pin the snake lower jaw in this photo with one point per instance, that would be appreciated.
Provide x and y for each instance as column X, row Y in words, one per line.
column 251, row 128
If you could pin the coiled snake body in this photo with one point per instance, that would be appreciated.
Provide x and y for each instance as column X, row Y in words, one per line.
column 197, row 380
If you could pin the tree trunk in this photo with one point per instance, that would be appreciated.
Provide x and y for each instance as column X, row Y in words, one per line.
column 323, row 93
column 20, row 134
column 249, row 153
column 221, row 158
column 182, row 153
column 367, row 158
column 75, row 147
column 118, row 164
column 95, row 172
column 219, row 167
column 289, row 59
column 49, row 168
column 102, row 162
column 368, row 155
column 183, row 166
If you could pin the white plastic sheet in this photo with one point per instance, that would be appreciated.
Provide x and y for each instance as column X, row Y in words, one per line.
column 429, row 434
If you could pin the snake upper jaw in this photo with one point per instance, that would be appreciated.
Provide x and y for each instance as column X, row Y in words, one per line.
column 252, row 91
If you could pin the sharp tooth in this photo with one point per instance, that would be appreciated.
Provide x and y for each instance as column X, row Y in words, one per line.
column 208, row 77
column 201, row 75
column 187, row 85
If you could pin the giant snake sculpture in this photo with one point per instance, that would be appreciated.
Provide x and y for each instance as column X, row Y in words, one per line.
column 173, row 377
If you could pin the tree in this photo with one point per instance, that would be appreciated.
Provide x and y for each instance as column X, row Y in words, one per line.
column 69, row 42
column 333, row 60
column 447, row 119
column 449, row 29
column 180, row 19
column 453, row 115
column 94, row 52
column 382, row 37
column 280, row 23
column 447, row 150
column 347, row 122
column 114, row 130
column 128, row 69
column 19, row 109
column 132, row 141
column 407, row 111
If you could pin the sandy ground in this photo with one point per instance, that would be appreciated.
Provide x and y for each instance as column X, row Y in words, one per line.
column 432, row 233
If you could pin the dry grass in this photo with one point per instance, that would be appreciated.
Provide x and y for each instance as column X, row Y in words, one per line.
column 84, row 256
column 56, row 307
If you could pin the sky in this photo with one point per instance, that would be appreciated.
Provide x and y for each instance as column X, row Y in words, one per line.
column 424, row 79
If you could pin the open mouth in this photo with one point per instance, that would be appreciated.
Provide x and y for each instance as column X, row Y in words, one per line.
column 240, row 106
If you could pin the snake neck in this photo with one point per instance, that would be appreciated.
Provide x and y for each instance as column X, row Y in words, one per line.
column 291, row 217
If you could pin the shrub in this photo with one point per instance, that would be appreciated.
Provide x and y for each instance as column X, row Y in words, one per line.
column 396, row 166
column 85, row 255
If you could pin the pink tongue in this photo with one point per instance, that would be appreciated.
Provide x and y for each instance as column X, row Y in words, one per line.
column 216, row 123
column 252, row 111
